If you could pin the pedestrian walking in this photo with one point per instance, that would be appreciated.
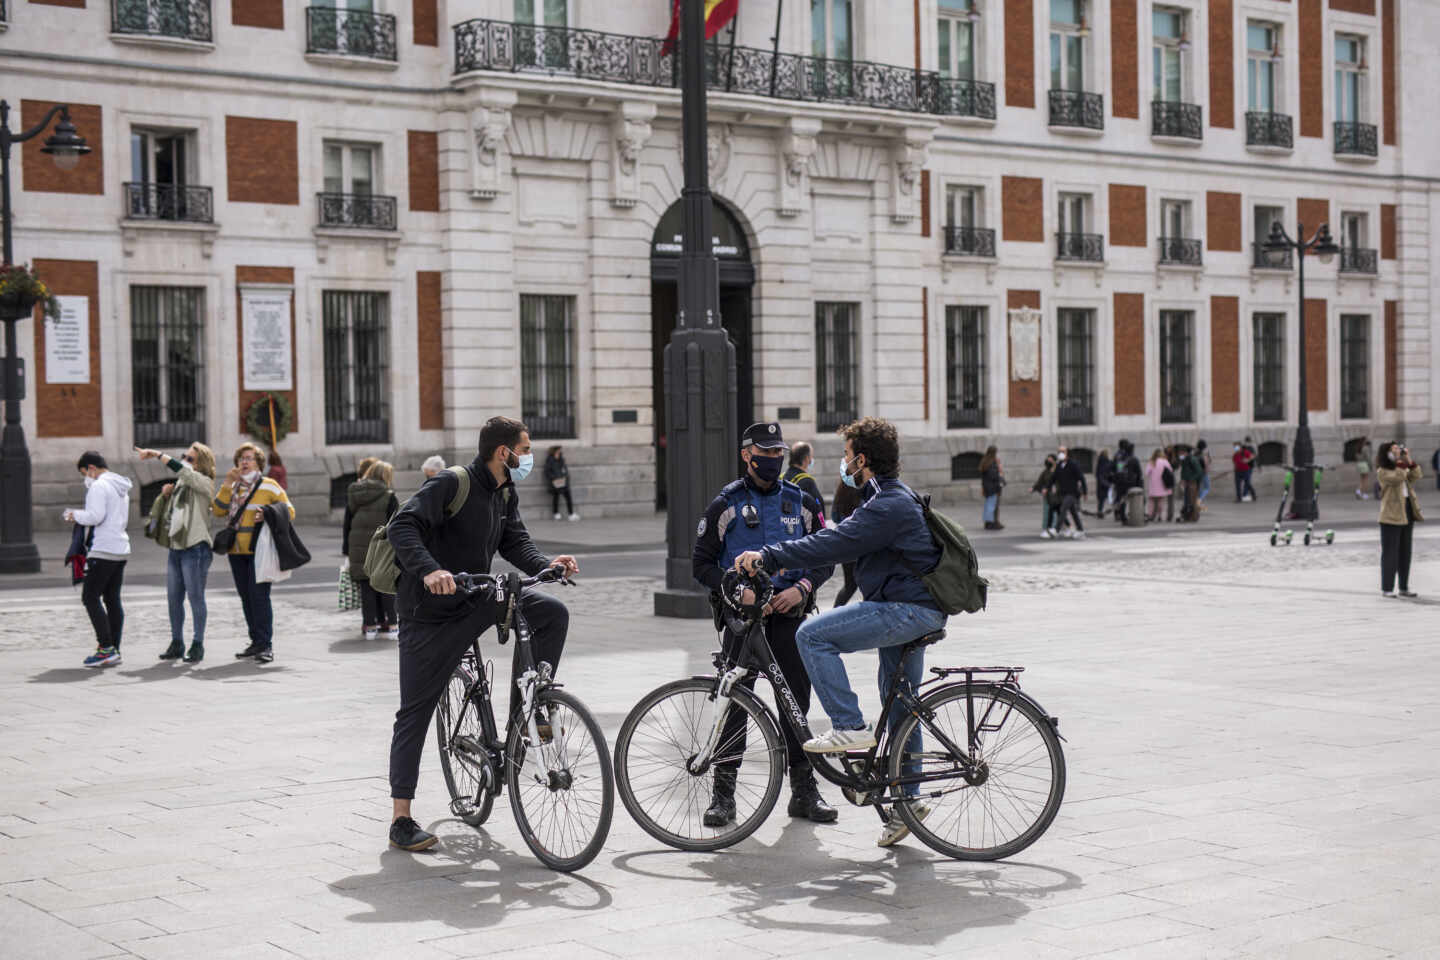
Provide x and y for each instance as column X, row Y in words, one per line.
column 433, row 464
column 244, row 493
column 276, row 471
column 1067, row 482
column 1362, row 469
column 106, row 513
column 1128, row 476
column 802, row 458
column 1244, row 460
column 370, row 502
column 846, row 501
column 1104, row 481
column 1435, row 465
column 1203, row 449
column 557, row 475
column 992, row 484
column 1398, row 473
column 1042, row 487
column 1192, row 470
column 1159, row 482
column 181, row 524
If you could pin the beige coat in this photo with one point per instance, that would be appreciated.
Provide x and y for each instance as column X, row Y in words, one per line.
column 1392, row 494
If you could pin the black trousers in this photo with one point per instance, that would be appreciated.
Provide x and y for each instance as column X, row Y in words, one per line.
column 1395, row 541
column 555, row 494
column 101, row 596
column 847, row 590
column 780, row 631
column 1070, row 506
column 376, row 608
column 1102, row 492
column 254, row 600
column 429, row 654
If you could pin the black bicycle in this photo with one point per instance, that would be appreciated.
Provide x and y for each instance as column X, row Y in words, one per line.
column 987, row 784
column 553, row 756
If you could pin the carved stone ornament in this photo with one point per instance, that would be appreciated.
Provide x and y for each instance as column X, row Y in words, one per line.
column 629, row 133
column 490, row 122
column 797, row 150
column 1025, row 344
column 717, row 150
column 907, row 159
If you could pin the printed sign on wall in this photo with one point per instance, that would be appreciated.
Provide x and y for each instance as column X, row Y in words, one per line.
column 265, row 318
column 67, row 342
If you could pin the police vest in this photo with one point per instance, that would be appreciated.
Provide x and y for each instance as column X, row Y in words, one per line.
column 778, row 517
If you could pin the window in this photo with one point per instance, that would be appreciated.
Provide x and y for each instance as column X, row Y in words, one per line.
column 1269, row 355
column 965, row 466
column 542, row 13
column 351, row 28
column 1352, row 230
column 837, row 371
column 1269, row 259
column 357, row 366
column 352, row 185
column 1073, row 243
column 1356, row 255
column 159, row 157
column 965, row 232
column 831, row 29
column 1176, row 244
column 350, row 168
column 160, row 174
column 167, row 365
column 1175, row 218
column 1074, row 210
column 1349, row 78
column 540, row 33
column 1170, row 55
column 1262, row 66
column 965, row 366
column 1076, row 358
column 1177, row 365
column 547, row 365
column 180, row 19
column 1354, row 365
column 1068, row 33
column 957, row 39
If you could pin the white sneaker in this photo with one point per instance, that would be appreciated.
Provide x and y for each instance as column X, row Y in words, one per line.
column 556, row 517
column 896, row 829
column 370, row 633
column 389, row 633
column 838, row 741
column 574, row 517
column 1054, row 534
column 1044, row 534
column 1079, row 535
column 1390, row 594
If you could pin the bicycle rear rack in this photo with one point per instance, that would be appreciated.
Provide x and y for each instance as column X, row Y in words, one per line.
column 1011, row 676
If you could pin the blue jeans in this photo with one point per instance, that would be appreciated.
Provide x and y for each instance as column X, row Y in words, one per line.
column 1204, row 486
column 991, row 502
column 867, row 625
column 254, row 600
column 185, row 574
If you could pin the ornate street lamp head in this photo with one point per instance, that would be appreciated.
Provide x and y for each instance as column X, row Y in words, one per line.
column 1277, row 241
column 1323, row 245
column 65, row 144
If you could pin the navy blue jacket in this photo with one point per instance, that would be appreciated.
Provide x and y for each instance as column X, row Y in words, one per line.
column 886, row 537
column 784, row 512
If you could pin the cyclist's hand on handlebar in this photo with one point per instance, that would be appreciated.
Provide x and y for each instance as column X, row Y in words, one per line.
column 571, row 567
column 441, row 582
column 749, row 562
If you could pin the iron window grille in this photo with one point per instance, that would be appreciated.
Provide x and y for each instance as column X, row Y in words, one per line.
column 1177, row 366
column 837, row 368
column 1077, row 108
column 970, row 241
column 1171, row 119
column 169, row 201
column 178, row 19
column 1269, row 366
column 357, row 366
column 366, row 211
column 1080, row 246
column 1356, row 139
column 167, row 365
column 1272, row 259
column 4, row 13
column 354, row 33
column 1354, row 366
column 547, row 365
column 965, row 367
column 1180, row 250
column 1269, row 130
column 1076, row 358
column 1358, row 260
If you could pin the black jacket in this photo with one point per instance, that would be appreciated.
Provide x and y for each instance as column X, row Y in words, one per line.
column 1104, row 471
column 556, row 468
column 426, row 540
column 807, row 483
column 287, row 542
column 990, row 481
column 1068, row 479
column 1128, row 474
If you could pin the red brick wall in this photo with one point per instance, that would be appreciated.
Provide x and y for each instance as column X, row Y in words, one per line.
column 1312, row 213
column 1127, row 216
column 1222, row 64
column 1312, row 69
column 1129, row 349
column 262, row 162
column 69, row 409
column 1026, row 396
column 1224, row 229
column 1022, row 209
column 431, row 342
column 924, row 203
column 424, row 155
column 1387, row 231
column 426, row 23
column 77, row 4
column 1392, row 367
column 269, row 14
column 1387, row 71
column 1225, row 354
column 1124, row 60
column 925, row 342
column 1019, row 53
column 249, row 275
column 1317, row 370
column 40, row 175
column 1354, row 6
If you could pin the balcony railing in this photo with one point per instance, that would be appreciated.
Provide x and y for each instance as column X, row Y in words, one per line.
column 556, row 425
column 970, row 241
column 374, row 430
column 1354, row 408
column 177, row 19
column 1263, row 259
column 1358, row 260
column 1356, row 139
column 1077, row 108
column 1171, row 119
column 1180, row 411
column 960, row 418
column 168, row 201
column 1180, row 250
column 1269, row 130
column 1080, row 246
column 361, row 210
column 352, row 33
column 1269, row 409
column 620, row 58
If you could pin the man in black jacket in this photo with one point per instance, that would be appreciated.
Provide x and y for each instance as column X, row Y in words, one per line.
column 798, row 473
column 436, row 623
column 1068, row 480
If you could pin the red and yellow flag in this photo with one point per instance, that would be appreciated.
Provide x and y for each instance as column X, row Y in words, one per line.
column 717, row 14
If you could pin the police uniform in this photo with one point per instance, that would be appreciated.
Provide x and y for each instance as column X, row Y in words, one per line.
column 744, row 517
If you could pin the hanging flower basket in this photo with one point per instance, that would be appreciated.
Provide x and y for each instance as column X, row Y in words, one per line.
column 257, row 419
column 20, row 290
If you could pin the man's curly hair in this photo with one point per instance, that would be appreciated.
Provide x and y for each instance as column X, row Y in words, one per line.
column 878, row 440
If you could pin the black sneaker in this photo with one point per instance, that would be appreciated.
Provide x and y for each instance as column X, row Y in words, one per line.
column 406, row 834
column 264, row 655
column 249, row 651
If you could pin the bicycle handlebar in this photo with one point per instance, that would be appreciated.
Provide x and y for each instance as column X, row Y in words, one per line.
column 476, row 582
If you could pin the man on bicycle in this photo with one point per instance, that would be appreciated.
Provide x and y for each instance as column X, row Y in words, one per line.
column 890, row 543
column 758, row 509
column 437, row 624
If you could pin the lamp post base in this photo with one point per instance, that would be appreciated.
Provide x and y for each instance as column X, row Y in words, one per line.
column 682, row 604
column 19, row 558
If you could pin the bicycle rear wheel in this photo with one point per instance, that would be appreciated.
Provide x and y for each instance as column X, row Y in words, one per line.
column 563, row 790
column 464, row 773
column 669, row 726
column 1023, row 774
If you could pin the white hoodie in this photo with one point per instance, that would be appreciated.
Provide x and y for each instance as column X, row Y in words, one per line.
column 107, row 509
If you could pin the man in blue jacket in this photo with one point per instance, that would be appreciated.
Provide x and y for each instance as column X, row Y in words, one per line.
column 890, row 543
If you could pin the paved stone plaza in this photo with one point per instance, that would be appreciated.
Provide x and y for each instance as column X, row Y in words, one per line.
column 1252, row 735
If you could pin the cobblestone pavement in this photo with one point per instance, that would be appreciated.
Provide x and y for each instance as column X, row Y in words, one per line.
column 1252, row 736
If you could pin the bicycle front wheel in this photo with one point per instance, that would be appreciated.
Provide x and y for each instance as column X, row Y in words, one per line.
column 466, row 776
column 563, row 790
column 1019, row 784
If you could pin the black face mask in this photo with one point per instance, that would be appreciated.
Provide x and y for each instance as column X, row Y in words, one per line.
column 767, row 469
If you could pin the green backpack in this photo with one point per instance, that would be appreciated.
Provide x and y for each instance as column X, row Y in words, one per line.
column 381, row 567
column 955, row 583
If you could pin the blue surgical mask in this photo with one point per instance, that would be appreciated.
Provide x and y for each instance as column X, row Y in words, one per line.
column 521, row 470
column 845, row 476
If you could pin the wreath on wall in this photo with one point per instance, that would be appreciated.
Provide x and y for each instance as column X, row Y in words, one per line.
column 270, row 419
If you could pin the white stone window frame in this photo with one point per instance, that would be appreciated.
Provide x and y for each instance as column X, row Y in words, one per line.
column 1198, row 306
column 1095, row 48
column 391, row 176
column 1249, row 203
column 1097, row 213
column 401, row 338
column 1287, row 93
column 563, row 277
column 1102, row 377
column 988, row 209
column 997, row 365
column 1374, row 358
column 1189, row 56
column 1372, row 107
column 1286, row 308
column 859, row 21
column 931, row 15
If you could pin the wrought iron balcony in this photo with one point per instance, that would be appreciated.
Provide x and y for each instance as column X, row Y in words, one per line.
column 1180, row 250
column 361, row 210
column 1356, row 139
column 1358, row 260
column 1077, row 108
column 178, row 19
column 1272, row 259
column 168, row 201
column 970, row 241
column 352, row 33
column 967, row 98
column 1080, row 246
column 1077, row 414
column 1171, row 119
column 1269, row 130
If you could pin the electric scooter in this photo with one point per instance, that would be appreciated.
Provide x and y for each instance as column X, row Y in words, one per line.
column 1280, row 537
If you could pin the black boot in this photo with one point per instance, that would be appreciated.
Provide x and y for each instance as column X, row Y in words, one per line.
column 722, row 800
column 805, row 799
column 175, row 651
column 196, row 654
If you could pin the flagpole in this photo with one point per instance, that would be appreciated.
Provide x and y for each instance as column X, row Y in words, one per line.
column 734, row 29
column 775, row 56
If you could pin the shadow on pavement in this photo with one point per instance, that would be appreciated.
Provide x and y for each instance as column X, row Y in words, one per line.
column 237, row 669
column 361, row 645
column 67, row 674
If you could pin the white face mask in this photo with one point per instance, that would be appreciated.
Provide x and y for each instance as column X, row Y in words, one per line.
column 89, row 481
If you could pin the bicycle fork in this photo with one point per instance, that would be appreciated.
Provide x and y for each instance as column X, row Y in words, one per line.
column 700, row 762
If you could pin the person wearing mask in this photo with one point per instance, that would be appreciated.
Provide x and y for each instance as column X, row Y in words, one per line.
column 1104, row 479
column 433, row 464
column 758, row 509
column 1362, row 469
column 844, row 503
column 1068, row 482
column 557, row 477
column 802, row 458
column 106, row 512
column 182, row 512
column 1042, row 486
column 277, row 469
column 1203, row 450
column 992, row 484
column 437, row 624
column 1397, row 473
column 369, row 503
column 1192, row 469
column 1173, row 455
column 1244, row 461
column 1156, row 489
column 245, row 491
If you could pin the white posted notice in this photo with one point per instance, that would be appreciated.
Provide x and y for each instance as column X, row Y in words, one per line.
column 265, row 318
column 67, row 342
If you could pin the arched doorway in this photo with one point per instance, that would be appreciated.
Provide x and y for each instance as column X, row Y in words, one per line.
column 737, row 279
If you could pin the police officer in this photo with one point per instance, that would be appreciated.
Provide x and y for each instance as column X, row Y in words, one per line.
column 757, row 510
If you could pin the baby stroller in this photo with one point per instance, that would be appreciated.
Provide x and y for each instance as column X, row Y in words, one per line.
column 1279, row 537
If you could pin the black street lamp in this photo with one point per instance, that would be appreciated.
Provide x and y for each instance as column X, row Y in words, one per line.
column 1303, row 457
column 701, row 438
column 17, row 547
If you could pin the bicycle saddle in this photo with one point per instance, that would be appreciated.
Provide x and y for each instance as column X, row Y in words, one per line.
column 927, row 640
